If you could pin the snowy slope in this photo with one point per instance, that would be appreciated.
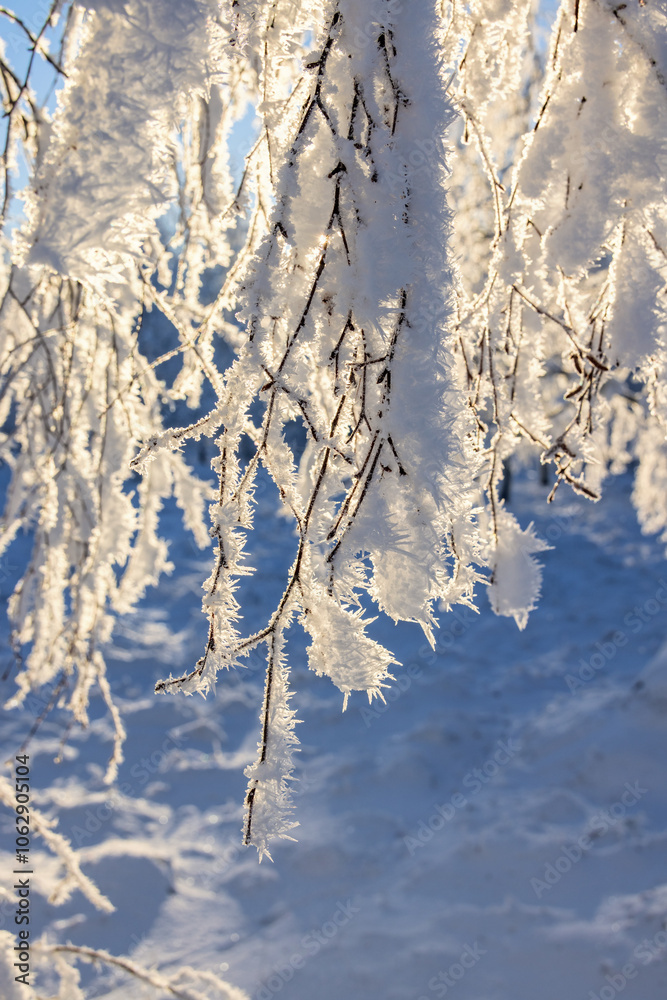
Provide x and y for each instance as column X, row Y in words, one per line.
column 497, row 833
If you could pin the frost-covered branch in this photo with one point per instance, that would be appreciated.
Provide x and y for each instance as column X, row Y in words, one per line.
column 338, row 339
column 183, row 985
column 571, row 299
column 61, row 847
column 77, row 395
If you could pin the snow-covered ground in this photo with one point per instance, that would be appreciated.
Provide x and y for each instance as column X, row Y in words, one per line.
column 496, row 832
